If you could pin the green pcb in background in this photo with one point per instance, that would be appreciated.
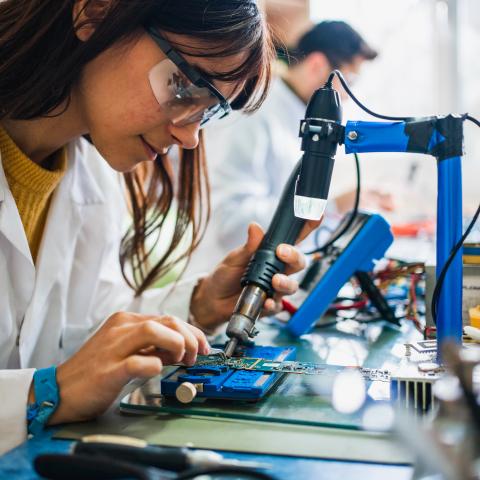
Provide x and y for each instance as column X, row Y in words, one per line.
column 297, row 399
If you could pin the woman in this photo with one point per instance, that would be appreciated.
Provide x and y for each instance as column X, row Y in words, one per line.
column 134, row 77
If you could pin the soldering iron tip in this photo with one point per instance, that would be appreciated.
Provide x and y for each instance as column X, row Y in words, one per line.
column 230, row 348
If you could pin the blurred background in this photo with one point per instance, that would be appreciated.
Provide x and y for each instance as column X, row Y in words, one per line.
column 428, row 64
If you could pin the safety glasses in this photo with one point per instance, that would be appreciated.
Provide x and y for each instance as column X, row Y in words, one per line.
column 184, row 95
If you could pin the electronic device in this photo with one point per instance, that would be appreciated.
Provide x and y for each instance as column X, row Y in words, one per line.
column 304, row 197
column 249, row 375
column 354, row 253
column 219, row 381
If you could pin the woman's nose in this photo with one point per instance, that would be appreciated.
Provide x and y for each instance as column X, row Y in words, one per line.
column 188, row 135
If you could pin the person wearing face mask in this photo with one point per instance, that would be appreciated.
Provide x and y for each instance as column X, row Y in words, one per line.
column 252, row 157
column 93, row 93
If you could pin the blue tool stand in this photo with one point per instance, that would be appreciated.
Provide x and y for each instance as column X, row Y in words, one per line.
column 367, row 240
column 222, row 382
column 441, row 137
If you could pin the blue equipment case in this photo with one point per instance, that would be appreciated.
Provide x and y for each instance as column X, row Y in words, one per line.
column 222, row 382
column 367, row 240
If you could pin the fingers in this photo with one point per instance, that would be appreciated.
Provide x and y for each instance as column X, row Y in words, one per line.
column 175, row 341
column 308, row 228
column 195, row 340
column 284, row 285
column 144, row 334
column 240, row 256
column 293, row 258
column 139, row 366
column 272, row 307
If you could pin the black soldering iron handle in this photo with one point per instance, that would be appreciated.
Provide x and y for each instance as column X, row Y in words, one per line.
column 284, row 228
column 166, row 458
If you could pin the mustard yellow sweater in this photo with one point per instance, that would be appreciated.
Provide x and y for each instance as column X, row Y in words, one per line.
column 32, row 187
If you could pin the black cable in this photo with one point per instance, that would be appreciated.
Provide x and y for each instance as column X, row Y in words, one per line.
column 239, row 471
column 441, row 278
column 473, row 120
column 358, row 102
column 351, row 218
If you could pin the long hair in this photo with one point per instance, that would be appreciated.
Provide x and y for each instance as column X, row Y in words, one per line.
column 41, row 60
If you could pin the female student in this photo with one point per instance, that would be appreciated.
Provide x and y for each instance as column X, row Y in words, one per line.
column 90, row 88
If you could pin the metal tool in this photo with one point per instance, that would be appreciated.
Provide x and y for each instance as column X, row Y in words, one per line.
column 304, row 197
column 175, row 459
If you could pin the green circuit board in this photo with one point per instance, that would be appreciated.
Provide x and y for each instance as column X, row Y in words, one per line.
column 289, row 366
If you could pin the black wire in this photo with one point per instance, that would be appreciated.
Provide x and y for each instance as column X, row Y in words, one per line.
column 441, row 278
column 358, row 102
column 239, row 471
column 473, row 120
column 352, row 217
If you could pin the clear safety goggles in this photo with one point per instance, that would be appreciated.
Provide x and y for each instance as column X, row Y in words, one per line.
column 184, row 95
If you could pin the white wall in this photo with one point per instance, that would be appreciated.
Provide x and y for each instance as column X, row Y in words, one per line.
column 412, row 77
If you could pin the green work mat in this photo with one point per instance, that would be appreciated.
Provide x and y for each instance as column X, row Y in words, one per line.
column 297, row 399
column 246, row 436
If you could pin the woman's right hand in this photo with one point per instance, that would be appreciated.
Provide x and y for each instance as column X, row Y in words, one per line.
column 127, row 346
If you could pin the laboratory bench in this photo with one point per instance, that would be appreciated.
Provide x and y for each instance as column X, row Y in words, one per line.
column 374, row 346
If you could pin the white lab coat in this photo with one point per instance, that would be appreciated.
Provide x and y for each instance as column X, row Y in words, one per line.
column 49, row 309
column 250, row 158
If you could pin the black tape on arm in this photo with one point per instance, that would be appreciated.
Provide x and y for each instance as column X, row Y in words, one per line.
column 420, row 133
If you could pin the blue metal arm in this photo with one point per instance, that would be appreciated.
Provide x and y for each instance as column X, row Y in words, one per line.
column 442, row 138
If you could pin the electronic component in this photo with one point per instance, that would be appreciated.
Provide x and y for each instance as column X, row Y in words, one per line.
column 470, row 291
column 290, row 366
column 422, row 347
column 213, row 378
column 411, row 385
column 353, row 253
column 249, row 376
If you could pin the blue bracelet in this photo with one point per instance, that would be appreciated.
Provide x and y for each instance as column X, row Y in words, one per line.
column 46, row 399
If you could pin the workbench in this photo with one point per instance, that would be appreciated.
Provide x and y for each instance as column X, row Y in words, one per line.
column 373, row 348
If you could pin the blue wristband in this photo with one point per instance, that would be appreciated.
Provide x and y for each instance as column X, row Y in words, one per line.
column 46, row 399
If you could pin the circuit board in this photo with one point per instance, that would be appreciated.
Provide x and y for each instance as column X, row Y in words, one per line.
column 215, row 379
column 287, row 366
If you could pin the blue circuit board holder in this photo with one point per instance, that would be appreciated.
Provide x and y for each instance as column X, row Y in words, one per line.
column 369, row 243
column 222, row 382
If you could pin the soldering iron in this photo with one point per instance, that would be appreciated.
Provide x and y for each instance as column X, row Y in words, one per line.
column 304, row 198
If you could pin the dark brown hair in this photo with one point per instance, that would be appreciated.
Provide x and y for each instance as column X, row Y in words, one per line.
column 337, row 40
column 41, row 60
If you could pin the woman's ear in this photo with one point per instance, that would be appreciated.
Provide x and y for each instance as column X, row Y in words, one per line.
column 87, row 14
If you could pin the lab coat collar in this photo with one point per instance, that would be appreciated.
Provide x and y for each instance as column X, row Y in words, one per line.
column 79, row 184
column 84, row 187
column 10, row 222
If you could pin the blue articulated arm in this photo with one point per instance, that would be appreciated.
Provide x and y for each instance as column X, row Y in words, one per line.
column 441, row 137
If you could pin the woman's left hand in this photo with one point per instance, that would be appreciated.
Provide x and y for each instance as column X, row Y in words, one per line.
column 216, row 295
